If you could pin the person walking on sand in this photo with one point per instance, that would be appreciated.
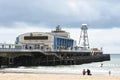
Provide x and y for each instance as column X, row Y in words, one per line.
column 83, row 72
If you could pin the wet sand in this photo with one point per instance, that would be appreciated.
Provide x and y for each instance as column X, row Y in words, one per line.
column 28, row 76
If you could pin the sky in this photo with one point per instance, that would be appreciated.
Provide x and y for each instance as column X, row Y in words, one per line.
column 102, row 16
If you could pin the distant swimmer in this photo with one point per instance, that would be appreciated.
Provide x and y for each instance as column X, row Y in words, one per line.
column 101, row 64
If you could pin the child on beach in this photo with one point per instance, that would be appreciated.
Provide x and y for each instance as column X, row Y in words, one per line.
column 83, row 72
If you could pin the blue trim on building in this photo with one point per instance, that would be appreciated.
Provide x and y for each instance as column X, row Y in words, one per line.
column 17, row 39
column 55, row 42
column 62, row 43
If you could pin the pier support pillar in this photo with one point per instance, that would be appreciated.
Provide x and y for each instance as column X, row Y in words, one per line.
column 47, row 60
column 10, row 62
column 54, row 60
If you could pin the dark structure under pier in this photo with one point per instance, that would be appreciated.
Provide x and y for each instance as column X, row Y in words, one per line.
column 15, row 58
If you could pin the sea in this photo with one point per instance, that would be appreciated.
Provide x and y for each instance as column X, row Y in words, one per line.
column 96, row 68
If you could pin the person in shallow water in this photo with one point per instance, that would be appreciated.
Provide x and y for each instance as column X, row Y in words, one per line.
column 101, row 64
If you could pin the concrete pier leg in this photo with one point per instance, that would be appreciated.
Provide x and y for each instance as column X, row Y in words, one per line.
column 10, row 62
column 60, row 62
column 71, row 62
column 47, row 60
column 34, row 62
column 74, row 62
column 54, row 60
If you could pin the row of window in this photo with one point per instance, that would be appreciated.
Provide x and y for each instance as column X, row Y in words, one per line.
column 35, row 37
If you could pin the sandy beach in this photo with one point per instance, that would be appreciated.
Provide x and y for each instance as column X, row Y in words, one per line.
column 27, row 76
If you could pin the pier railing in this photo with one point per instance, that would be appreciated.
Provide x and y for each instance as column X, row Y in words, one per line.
column 28, row 50
column 39, row 50
column 25, row 50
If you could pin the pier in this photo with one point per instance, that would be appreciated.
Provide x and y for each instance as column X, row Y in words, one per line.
column 50, row 49
column 21, row 57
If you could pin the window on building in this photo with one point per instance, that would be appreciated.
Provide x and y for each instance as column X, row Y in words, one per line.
column 35, row 37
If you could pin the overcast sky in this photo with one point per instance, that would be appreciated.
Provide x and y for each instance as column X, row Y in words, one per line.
column 102, row 16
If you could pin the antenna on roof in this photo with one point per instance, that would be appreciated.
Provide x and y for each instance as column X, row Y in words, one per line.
column 58, row 28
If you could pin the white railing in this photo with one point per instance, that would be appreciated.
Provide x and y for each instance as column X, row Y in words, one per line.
column 14, row 49
column 39, row 50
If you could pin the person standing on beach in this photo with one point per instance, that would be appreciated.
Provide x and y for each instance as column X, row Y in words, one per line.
column 88, row 72
column 109, row 72
column 83, row 72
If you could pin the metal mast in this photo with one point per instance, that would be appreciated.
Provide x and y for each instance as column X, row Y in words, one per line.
column 83, row 40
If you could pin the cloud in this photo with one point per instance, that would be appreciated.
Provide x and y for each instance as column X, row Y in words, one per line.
column 9, row 35
column 69, row 13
